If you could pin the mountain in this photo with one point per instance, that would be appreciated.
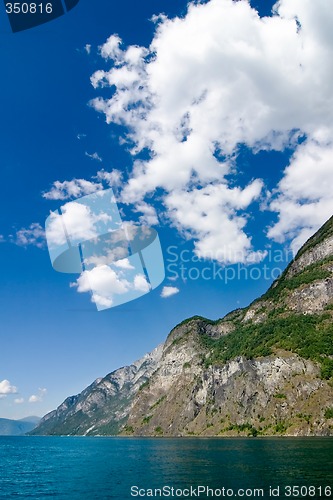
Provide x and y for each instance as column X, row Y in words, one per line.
column 33, row 419
column 263, row 370
column 17, row 427
column 103, row 407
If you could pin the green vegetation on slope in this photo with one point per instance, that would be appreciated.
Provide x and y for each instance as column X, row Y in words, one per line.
column 316, row 271
column 310, row 336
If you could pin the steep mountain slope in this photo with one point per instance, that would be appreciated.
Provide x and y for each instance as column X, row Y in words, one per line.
column 102, row 407
column 266, row 369
column 263, row 370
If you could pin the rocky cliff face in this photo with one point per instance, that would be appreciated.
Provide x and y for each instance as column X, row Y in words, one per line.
column 103, row 407
column 263, row 370
column 278, row 394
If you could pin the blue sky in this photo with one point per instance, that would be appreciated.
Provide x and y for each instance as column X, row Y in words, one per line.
column 219, row 109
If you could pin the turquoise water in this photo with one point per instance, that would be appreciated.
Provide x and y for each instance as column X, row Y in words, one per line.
column 101, row 468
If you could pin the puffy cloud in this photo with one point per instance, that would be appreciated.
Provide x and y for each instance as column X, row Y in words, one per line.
column 149, row 214
column 102, row 280
column 110, row 49
column 209, row 214
column 87, row 48
column 38, row 398
column 77, row 188
column 71, row 189
column 79, row 221
column 19, row 401
column 105, row 282
column 113, row 178
column 124, row 264
column 7, row 388
column 168, row 291
column 33, row 235
column 304, row 197
column 218, row 77
column 141, row 284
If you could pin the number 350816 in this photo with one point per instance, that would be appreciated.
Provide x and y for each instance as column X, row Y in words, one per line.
column 28, row 8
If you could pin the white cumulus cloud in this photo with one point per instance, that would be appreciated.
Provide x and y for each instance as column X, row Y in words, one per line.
column 149, row 214
column 168, row 291
column 123, row 264
column 219, row 77
column 304, row 197
column 71, row 189
column 33, row 235
column 106, row 283
column 79, row 221
column 112, row 179
column 7, row 388
column 141, row 284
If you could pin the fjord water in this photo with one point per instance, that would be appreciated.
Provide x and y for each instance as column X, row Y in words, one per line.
column 101, row 468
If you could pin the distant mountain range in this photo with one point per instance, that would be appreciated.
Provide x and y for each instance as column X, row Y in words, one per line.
column 266, row 369
column 18, row 427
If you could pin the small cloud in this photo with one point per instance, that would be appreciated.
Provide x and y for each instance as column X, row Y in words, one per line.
column 123, row 264
column 94, row 156
column 110, row 49
column 87, row 48
column 80, row 223
column 107, row 284
column 34, row 235
column 168, row 291
column 71, row 189
column 19, row 401
column 6, row 388
column 2, row 238
column 38, row 398
column 34, row 399
column 113, row 178
column 104, row 282
column 149, row 216
column 141, row 284
column 81, row 136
